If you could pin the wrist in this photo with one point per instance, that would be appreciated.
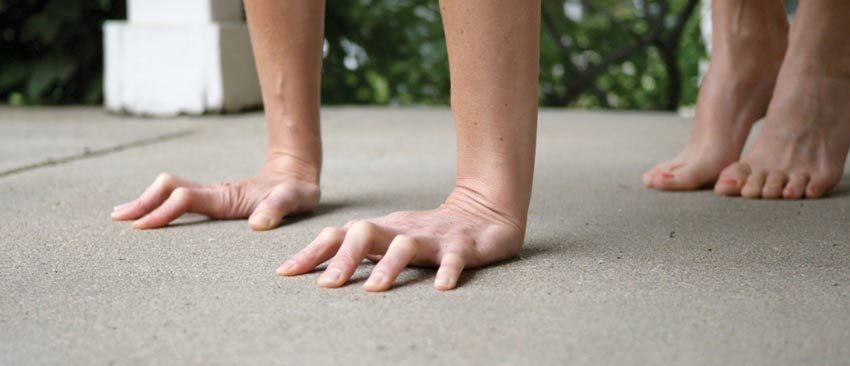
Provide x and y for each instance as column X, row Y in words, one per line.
column 484, row 200
column 299, row 167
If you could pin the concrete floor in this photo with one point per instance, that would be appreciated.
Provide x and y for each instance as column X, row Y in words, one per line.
column 611, row 273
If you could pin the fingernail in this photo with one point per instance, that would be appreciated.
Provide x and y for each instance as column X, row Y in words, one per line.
column 375, row 280
column 667, row 175
column 730, row 181
column 139, row 224
column 330, row 277
column 285, row 267
column 262, row 220
column 443, row 282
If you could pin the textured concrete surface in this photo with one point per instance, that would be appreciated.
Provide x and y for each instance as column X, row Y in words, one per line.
column 611, row 274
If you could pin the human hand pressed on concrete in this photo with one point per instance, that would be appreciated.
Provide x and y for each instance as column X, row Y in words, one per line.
column 280, row 188
column 462, row 233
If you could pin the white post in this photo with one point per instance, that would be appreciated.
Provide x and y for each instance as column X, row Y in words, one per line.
column 179, row 57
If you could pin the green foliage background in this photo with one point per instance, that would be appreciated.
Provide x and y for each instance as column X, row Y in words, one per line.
column 377, row 52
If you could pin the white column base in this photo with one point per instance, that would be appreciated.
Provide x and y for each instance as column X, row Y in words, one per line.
column 170, row 69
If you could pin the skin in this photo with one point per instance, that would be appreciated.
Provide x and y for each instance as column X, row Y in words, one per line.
column 801, row 150
column 748, row 42
column 287, row 40
column 803, row 146
column 493, row 55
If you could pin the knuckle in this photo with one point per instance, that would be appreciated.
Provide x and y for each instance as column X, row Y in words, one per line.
column 282, row 189
column 330, row 232
column 363, row 227
column 404, row 242
column 403, row 238
column 181, row 193
column 166, row 179
column 227, row 196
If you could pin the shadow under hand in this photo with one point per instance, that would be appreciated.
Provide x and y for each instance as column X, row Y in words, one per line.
column 322, row 209
column 529, row 251
column 413, row 275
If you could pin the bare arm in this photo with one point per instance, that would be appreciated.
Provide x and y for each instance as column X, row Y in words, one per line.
column 287, row 40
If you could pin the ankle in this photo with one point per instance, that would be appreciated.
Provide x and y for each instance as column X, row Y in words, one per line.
column 815, row 61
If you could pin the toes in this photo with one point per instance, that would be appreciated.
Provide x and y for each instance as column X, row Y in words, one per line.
column 819, row 185
column 753, row 187
column 796, row 186
column 773, row 185
column 659, row 172
column 647, row 180
column 732, row 179
column 684, row 178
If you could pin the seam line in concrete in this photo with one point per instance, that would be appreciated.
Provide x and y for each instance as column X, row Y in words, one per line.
column 92, row 153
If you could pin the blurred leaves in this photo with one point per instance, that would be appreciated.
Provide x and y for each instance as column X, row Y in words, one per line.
column 385, row 52
column 634, row 54
column 51, row 51
column 378, row 52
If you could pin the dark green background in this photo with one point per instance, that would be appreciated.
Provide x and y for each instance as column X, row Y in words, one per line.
column 379, row 52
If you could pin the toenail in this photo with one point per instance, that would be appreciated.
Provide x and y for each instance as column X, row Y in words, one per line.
column 730, row 181
column 667, row 175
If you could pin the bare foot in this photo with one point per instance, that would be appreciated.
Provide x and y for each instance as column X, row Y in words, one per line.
column 745, row 60
column 802, row 148
column 284, row 186
column 462, row 233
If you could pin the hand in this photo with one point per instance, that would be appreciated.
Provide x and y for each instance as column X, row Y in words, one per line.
column 462, row 233
column 278, row 190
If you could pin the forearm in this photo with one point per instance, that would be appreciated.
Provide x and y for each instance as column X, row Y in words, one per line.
column 287, row 37
column 493, row 49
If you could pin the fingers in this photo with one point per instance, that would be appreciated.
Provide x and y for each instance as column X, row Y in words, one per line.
column 357, row 243
column 364, row 239
column 451, row 265
column 321, row 249
column 281, row 202
column 181, row 201
column 399, row 254
column 151, row 198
